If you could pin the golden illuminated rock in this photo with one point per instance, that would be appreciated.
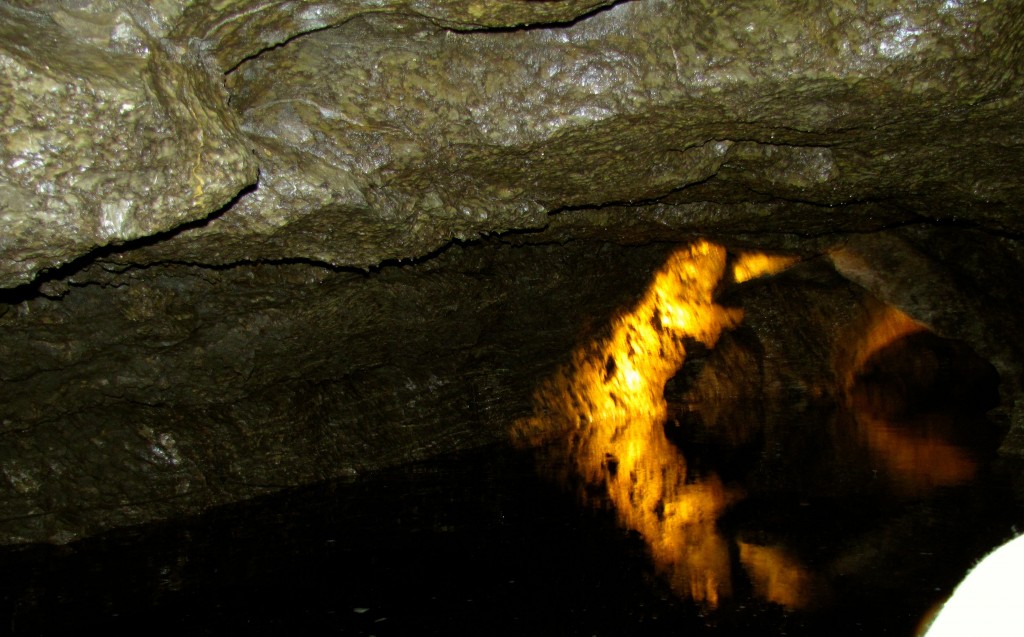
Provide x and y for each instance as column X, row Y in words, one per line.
column 610, row 404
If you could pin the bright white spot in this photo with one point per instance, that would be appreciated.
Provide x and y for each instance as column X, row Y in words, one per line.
column 950, row 5
column 988, row 601
column 112, row 218
column 901, row 40
column 166, row 449
column 593, row 113
column 123, row 33
column 314, row 13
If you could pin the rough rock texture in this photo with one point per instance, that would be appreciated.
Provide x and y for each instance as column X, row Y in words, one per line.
column 260, row 377
column 103, row 145
column 804, row 374
column 247, row 245
column 388, row 136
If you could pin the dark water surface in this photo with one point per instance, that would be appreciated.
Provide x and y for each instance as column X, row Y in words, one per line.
column 482, row 544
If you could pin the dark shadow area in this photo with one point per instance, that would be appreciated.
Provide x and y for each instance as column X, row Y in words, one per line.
column 924, row 372
column 802, row 506
column 471, row 544
column 37, row 287
column 477, row 544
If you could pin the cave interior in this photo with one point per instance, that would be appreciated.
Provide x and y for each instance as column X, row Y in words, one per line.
column 253, row 249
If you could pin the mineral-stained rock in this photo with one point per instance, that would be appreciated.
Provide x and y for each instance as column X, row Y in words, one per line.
column 385, row 130
column 388, row 135
column 240, row 29
column 102, row 146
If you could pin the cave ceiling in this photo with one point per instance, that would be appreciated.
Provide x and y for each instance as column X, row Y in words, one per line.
column 354, row 133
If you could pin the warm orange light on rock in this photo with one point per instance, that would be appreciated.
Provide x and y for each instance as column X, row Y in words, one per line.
column 604, row 414
column 611, row 401
column 887, row 325
column 751, row 265
column 918, row 454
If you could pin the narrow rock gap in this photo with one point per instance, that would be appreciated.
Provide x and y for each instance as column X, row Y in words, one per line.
column 290, row 40
column 52, row 277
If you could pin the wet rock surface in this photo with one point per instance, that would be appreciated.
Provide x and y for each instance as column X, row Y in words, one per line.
column 256, row 244
column 106, row 144
column 262, row 377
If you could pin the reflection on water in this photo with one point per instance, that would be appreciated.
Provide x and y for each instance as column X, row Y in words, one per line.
column 918, row 454
column 886, row 326
column 603, row 417
column 612, row 402
column 914, row 397
column 778, row 576
column 476, row 543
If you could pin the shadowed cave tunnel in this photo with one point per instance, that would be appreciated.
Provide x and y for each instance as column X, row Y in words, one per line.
column 725, row 293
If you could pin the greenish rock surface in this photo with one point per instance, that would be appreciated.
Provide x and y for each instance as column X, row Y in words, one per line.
column 104, row 145
column 249, row 245
column 388, row 136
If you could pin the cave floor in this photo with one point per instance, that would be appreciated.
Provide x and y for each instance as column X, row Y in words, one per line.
column 484, row 543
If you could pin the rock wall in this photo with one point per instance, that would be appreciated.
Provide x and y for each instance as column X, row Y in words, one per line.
column 160, row 391
column 254, row 244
